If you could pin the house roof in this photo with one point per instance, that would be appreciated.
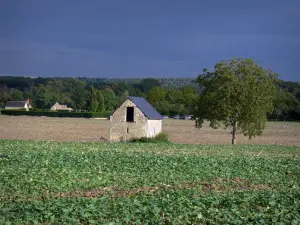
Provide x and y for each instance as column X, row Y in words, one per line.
column 60, row 107
column 17, row 104
column 146, row 108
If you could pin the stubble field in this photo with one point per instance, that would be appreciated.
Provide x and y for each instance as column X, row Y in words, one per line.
column 179, row 131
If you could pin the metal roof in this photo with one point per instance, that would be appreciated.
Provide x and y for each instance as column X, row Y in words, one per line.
column 16, row 104
column 146, row 108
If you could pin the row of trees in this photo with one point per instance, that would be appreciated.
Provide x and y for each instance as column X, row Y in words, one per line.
column 98, row 95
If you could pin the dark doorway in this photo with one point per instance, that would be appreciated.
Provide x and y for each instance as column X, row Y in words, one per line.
column 130, row 114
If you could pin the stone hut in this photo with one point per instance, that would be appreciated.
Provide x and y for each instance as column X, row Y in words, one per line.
column 135, row 118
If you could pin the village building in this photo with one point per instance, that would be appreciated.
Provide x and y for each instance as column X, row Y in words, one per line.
column 58, row 107
column 18, row 105
column 135, row 118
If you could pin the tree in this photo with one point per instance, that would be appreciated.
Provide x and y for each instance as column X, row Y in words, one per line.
column 92, row 100
column 17, row 95
column 147, row 84
column 43, row 98
column 119, row 88
column 78, row 91
column 173, row 96
column 298, row 95
column 123, row 97
column 156, row 94
column 285, row 104
column 110, row 99
column 238, row 94
column 100, row 100
column 189, row 98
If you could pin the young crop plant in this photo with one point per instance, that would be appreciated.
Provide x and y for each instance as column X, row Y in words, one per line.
column 148, row 183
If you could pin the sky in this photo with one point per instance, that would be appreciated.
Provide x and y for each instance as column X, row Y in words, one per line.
column 139, row 38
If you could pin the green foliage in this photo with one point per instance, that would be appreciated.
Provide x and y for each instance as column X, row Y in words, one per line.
column 174, row 102
column 156, row 94
column 110, row 100
column 119, row 88
column 92, row 100
column 177, row 83
column 180, row 93
column 145, row 183
column 123, row 97
column 285, row 104
column 159, row 138
column 188, row 98
column 100, row 101
column 44, row 98
column 239, row 94
column 147, row 84
column 17, row 95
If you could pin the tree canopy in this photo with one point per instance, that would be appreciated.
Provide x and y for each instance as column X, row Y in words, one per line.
column 238, row 94
column 156, row 94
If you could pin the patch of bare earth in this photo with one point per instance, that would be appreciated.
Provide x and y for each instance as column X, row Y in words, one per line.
column 217, row 185
column 94, row 130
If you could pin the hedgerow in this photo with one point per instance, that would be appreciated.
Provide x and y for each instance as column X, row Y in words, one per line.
column 49, row 113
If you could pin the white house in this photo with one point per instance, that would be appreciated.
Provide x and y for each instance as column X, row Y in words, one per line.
column 18, row 105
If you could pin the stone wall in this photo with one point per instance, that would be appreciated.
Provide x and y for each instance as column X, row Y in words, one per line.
column 122, row 130
column 154, row 127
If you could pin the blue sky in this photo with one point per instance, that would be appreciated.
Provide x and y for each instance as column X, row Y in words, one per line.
column 138, row 38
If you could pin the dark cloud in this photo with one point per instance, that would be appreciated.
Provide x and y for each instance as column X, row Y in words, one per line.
column 139, row 38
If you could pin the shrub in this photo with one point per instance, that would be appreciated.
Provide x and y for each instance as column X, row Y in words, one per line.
column 161, row 137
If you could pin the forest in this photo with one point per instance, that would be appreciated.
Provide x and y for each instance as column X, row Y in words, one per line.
column 170, row 96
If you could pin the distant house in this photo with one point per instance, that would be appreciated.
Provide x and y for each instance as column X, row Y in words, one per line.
column 18, row 105
column 135, row 118
column 57, row 107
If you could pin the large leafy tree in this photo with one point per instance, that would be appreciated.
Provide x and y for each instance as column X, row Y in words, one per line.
column 238, row 94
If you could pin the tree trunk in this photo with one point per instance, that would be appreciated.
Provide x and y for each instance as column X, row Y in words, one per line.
column 233, row 141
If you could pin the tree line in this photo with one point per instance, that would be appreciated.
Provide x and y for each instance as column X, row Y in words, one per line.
column 98, row 95
column 169, row 96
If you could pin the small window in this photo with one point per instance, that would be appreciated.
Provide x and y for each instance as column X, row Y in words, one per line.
column 130, row 114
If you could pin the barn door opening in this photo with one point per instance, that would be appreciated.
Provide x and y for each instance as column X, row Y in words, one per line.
column 130, row 114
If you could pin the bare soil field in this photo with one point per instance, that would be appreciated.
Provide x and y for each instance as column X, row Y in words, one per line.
column 93, row 130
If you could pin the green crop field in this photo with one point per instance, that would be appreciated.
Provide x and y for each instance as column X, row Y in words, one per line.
column 114, row 183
